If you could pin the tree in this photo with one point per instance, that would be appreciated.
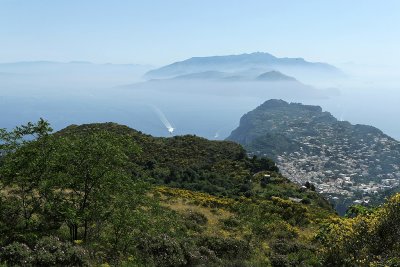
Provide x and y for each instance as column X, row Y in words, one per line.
column 355, row 210
column 310, row 186
column 25, row 155
column 54, row 179
column 88, row 171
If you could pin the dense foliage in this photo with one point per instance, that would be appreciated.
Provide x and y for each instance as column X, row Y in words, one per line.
column 106, row 194
column 220, row 168
column 371, row 238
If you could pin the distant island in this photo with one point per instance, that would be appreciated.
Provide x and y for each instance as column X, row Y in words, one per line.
column 245, row 64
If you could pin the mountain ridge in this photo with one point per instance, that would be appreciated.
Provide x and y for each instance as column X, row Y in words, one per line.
column 269, row 76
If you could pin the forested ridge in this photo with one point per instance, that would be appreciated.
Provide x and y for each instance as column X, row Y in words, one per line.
column 105, row 194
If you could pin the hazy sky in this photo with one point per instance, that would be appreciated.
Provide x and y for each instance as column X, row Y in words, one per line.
column 158, row 32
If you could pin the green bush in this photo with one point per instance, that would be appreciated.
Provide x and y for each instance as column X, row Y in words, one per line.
column 230, row 223
column 292, row 253
column 50, row 251
column 17, row 254
column 196, row 217
column 226, row 248
column 195, row 220
column 162, row 250
column 200, row 256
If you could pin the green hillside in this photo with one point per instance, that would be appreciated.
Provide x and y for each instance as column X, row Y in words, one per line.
column 104, row 194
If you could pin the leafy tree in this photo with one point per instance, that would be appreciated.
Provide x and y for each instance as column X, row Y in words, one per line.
column 88, row 171
column 25, row 156
column 355, row 210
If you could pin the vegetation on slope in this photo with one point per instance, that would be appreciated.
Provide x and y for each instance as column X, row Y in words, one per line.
column 106, row 194
column 371, row 238
column 190, row 162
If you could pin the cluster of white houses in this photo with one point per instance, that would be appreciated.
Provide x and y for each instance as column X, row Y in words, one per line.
column 343, row 167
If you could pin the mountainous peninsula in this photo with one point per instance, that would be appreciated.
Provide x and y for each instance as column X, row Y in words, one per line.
column 347, row 163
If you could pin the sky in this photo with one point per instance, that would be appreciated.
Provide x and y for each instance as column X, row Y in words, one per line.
column 158, row 32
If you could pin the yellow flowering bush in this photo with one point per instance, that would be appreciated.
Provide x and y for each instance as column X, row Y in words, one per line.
column 366, row 240
column 202, row 199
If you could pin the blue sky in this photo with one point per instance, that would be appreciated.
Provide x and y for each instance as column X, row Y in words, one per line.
column 160, row 31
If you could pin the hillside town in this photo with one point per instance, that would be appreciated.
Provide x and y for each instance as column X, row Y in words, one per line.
column 343, row 161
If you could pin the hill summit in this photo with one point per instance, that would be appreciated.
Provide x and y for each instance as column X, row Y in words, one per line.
column 274, row 76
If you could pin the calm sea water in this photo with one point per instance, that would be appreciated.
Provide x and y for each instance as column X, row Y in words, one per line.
column 201, row 109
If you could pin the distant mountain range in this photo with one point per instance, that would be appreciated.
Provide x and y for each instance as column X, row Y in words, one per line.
column 254, row 64
column 69, row 74
column 269, row 76
column 348, row 163
column 37, row 66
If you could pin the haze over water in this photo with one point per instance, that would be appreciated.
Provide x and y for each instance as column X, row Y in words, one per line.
column 358, row 37
column 201, row 108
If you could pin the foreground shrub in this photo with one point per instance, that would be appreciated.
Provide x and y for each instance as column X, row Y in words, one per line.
column 369, row 239
column 17, row 254
column 292, row 253
column 196, row 217
column 162, row 250
column 48, row 251
column 226, row 248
